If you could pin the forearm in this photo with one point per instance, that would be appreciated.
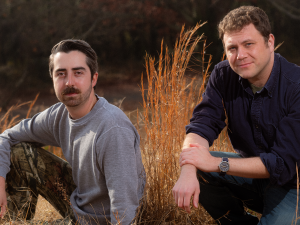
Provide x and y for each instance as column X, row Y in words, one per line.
column 5, row 145
column 243, row 167
column 2, row 183
column 3, row 201
column 187, row 184
column 2, row 187
column 194, row 138
column 248, row 168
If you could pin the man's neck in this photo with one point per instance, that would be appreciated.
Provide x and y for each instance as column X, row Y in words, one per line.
column 82, row 110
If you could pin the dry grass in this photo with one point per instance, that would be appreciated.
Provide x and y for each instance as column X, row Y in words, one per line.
column 45, row 211
column 7, row 121
column 168, row 103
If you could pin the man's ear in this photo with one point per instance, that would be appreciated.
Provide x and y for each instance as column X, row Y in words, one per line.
column 271, row 42
column 94, row 80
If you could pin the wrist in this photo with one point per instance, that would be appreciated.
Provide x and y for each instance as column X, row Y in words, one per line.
column 223, row 166
column 188, row 169
column 2, row 182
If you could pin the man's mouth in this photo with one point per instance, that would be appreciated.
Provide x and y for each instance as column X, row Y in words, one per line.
column 69, row 94
column 244, row 65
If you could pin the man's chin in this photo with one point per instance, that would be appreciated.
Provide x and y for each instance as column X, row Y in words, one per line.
column 70, row 101
column 71, row 104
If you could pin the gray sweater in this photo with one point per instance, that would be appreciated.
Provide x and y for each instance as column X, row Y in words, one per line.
column 103, row 150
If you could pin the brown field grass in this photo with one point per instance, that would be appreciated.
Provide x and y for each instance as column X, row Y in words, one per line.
column 168, row 103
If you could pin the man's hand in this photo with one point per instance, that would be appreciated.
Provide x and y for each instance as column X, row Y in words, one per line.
column 3, row 200
column 186, row 187
column 200, row 157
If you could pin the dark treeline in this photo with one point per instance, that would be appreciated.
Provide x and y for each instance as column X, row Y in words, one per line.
column 121, row 31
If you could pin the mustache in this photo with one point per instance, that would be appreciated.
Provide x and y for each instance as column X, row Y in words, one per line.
column 71, row 90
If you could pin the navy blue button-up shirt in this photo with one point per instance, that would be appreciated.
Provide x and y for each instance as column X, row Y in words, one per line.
column 264, row 124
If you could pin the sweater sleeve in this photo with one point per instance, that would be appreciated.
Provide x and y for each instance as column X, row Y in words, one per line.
column 121, row 163
column 35, row 129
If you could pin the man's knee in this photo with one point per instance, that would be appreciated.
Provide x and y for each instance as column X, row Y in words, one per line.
column 21, row 182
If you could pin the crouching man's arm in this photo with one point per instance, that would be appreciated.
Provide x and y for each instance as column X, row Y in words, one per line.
column 187, row 184
column 124, row 172
column 195, row 155
column 28, row 130
column 3, row 200
column 199, row 156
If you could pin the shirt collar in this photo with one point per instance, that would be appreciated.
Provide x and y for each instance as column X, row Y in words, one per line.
column 245, row 85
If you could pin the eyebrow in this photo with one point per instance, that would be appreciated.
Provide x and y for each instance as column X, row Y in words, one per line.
column 79, row 68
column 75, row 68
column 230, row 46
column 243, row 42
column 247, row 40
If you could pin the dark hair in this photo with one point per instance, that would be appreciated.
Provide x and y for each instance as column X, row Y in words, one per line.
column 236, row 19
column 75, row 45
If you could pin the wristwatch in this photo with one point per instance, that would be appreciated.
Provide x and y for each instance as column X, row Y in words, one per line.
column 224, row 166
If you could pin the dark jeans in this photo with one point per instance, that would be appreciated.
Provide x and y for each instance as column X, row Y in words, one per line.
column 225, row 198
column 35, row 171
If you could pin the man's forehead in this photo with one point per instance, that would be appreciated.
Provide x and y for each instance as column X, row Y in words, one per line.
column 247, row 33
column 73, row 53
column 72, row 58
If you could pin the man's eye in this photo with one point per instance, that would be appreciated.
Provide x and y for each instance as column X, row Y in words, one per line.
column 60, row 74
column 249, row 44
column 78, row 72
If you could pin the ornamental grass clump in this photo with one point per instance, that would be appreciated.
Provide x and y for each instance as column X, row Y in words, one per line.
column 168, row 103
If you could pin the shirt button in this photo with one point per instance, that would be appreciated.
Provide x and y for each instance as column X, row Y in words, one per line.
column 256, row 126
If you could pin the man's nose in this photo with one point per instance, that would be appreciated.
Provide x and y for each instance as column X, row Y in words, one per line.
column 70, row 81
column 241, row 54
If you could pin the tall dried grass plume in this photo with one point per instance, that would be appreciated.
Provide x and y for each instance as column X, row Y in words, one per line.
column 168, row 103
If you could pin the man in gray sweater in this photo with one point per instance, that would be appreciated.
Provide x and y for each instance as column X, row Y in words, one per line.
column 97, row 139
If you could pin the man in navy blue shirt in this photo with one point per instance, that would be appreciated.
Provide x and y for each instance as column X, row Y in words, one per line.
column 259, row 91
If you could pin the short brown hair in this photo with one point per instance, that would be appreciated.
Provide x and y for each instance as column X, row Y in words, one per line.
column 236, row 19
column 75, row 45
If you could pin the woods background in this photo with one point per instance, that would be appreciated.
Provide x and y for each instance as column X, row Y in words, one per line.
column 120, row 31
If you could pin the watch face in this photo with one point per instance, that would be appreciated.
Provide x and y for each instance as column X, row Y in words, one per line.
column 224, row 166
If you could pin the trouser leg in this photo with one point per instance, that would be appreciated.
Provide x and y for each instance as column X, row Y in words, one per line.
column 225, row 197
column 280, row 206
column 36, row 171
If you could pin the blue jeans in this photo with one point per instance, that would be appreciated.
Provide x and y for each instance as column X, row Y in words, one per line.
column 224, row 198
